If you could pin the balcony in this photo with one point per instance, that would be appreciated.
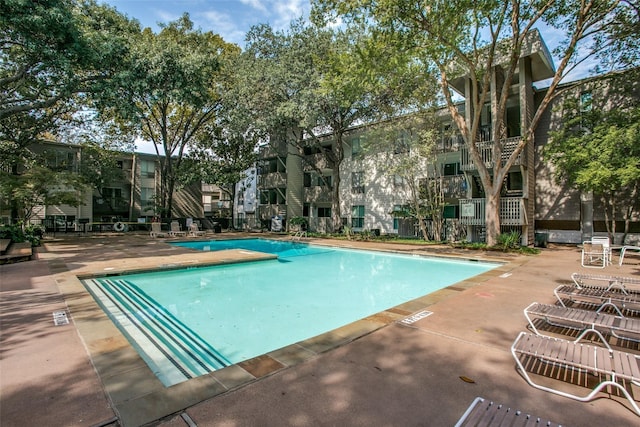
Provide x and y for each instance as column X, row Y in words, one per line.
column 318, row 194
column 485, row 150
column 450, row 144
column 512, row 211
column 315, row 162
column 272, row 180
column 267, row 151
column 454, row 186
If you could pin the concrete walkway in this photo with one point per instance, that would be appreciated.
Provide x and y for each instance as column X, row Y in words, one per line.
column 424, row 374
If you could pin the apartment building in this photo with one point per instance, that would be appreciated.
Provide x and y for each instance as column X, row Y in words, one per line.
column 532, row 202
column 131, row 199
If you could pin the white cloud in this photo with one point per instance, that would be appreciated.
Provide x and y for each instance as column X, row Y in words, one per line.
column 287, row 10
column 256, row 4
column 220, row 23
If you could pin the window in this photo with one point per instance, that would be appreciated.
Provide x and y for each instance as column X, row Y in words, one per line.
column 206, row 202
column 399, row 180
column 357, row 182
column 356, row 147
column 113, row 197
column 586, row 102
column 357, row 216
column 401, row 145
column 450, row 169
column 324, row 181
column 396, row 218
column 147, row 168
column 60, row 160
column 324, row 212
column 273, row 196
column 147, row 196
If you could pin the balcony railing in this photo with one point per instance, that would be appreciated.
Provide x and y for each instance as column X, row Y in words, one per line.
column 454, row 186
column 272, row 180
column 512, row 211
column 318, row 194
column 319, row 161
column 485, row 149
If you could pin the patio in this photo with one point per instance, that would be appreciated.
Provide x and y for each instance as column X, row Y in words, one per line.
column 425, row 373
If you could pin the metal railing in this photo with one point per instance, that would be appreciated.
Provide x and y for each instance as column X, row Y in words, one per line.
column 318, row 194
column 272, row 180
column 485, row 149
column 512, row 211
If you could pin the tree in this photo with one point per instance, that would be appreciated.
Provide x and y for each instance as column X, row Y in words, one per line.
column 171, row 92
column 99, row 169
column 474, row 39
column 307, row 90
column 598, row 150
column 405, row 149
column 55, row 54
column 223, row 156
column 54, row 49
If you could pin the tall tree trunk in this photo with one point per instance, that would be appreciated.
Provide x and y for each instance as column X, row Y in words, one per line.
column 335, row 200
column 492, row 216
column 338, row 157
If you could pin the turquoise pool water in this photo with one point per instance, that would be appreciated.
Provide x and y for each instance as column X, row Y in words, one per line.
column 191, row 321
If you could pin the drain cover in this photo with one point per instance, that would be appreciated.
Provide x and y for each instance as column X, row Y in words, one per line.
column 60, row 318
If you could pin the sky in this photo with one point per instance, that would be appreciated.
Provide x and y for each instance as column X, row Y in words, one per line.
column 231, row 19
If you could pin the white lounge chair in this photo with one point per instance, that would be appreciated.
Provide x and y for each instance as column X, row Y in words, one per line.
column 615, row 368
column 194, row 230
column 175, row 230
column 586, row 321
column 617, row 293
column 620, row 282
column 486, row 413
column 156, row 230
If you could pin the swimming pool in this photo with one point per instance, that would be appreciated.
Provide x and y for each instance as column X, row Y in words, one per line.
column 188, row 322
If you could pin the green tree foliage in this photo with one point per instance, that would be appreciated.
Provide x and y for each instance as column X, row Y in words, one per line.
column 54, row 49
column 99, row 168
column 222, row 157
column 54, row 55
column 470, row 38
column 405, row 149
column 172, row 90
column 40, row 186
column 305, row 84
column 599, row 151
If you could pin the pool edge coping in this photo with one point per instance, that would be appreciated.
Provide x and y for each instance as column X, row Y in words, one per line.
column 148, row 400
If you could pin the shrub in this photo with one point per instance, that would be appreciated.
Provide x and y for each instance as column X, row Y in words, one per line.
column 509, row 240
column 15, row 232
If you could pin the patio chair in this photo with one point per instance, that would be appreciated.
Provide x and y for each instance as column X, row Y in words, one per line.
column 616, row 295
column 593, row 255
column 156, row 230
column 606, row 247
column 485, row 413
column 194, row 230
column 175, row 230
column 586, row 321
column 578, row 363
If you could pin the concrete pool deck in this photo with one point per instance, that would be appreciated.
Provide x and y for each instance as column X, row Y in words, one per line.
column 375, row 372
